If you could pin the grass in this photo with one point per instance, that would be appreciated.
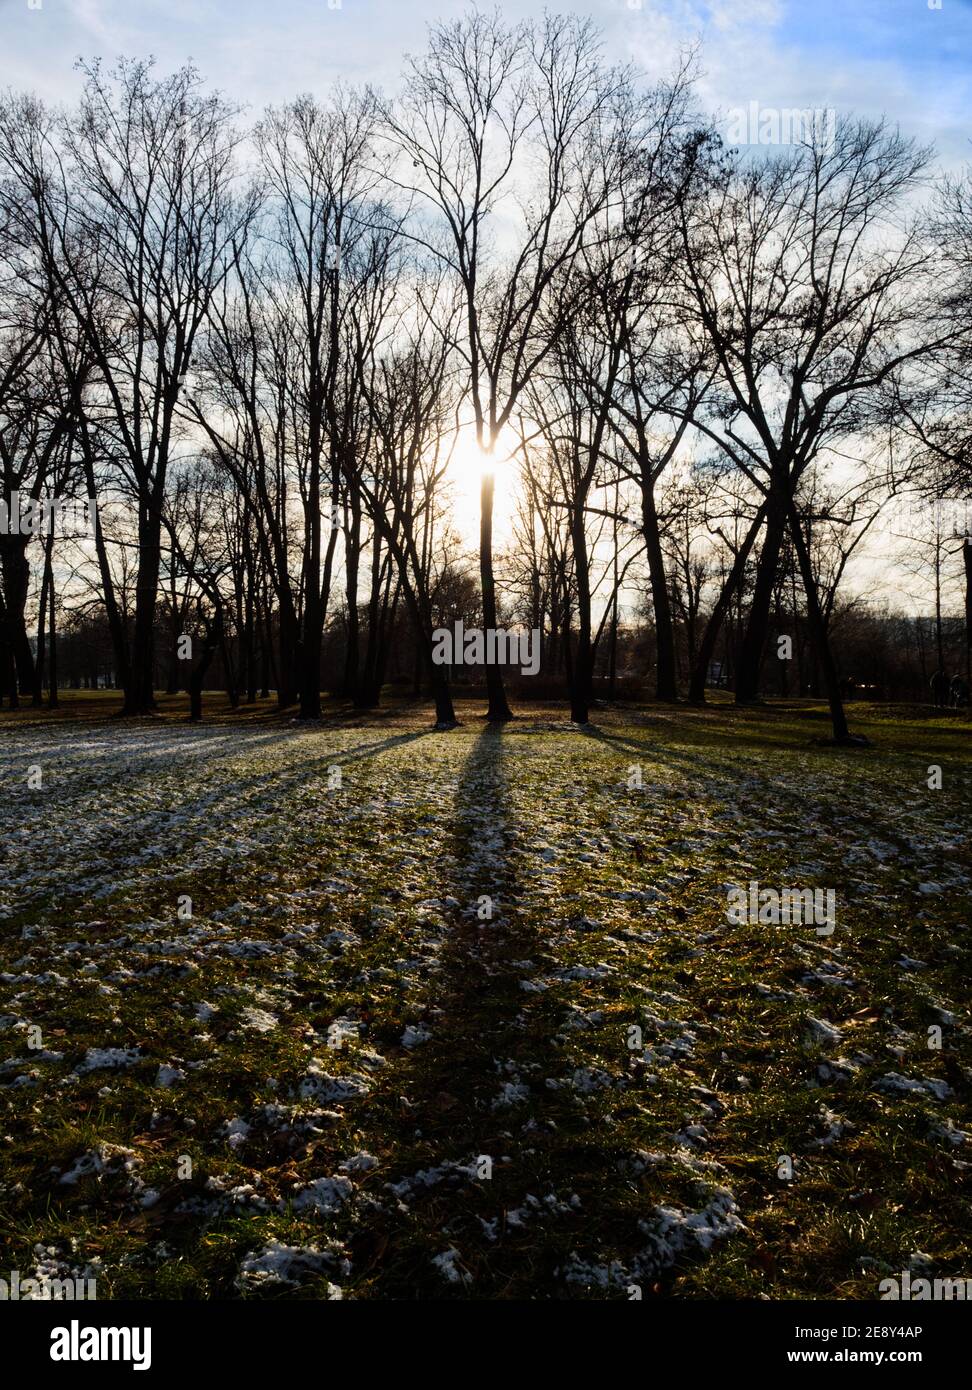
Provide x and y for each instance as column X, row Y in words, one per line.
column 488, row 1128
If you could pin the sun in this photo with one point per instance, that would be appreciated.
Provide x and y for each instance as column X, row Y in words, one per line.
column 469, row 465
column 468, row 459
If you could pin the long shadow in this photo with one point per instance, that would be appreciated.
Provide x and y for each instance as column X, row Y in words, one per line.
column 145, row 762
column 480, row 1078
column 318, row 765
column 285, row 780
column 686, row 763
column 232, row 806
column 489, row 1142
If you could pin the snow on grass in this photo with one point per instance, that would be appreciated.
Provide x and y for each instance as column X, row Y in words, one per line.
column 331, row 1033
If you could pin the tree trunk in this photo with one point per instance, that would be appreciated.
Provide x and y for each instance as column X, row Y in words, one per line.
column 172, row 685
column 498, row 710
column 140, row 691
column 116, row 624
column 754, row 639
column 967, row 561
column 289, row 648
column 309, row 645
column 249, row 637
column 16, row 582
column 717, row 617
column 309, row 657
column 214, row 637
column 8, row 679
column 52, row 691
column 352, row 555
column 47, row 585
column 581, row 685
column 818, row 631
column 665, row 679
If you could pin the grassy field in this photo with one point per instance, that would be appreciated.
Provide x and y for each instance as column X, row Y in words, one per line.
column 364, row 1010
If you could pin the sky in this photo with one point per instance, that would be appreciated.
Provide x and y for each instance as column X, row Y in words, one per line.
column 902, row 57
column 908, row 59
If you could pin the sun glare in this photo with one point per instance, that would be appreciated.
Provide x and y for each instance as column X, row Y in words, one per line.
column 468, row 465
column 468, row 458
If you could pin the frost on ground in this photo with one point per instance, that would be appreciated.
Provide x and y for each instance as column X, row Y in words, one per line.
column 475, row 1023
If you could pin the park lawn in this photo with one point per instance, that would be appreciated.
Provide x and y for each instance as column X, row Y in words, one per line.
column 365, row 1010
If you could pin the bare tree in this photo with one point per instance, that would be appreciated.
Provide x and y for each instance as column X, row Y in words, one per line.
column 320, row 165
column 133, row 214
column 500, row 122
column 806, row 284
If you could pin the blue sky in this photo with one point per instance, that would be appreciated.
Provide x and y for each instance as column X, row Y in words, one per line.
column 893, row 56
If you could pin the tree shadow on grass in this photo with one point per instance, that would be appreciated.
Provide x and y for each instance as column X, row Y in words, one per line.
column 467, row 1093
column 317, row 766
